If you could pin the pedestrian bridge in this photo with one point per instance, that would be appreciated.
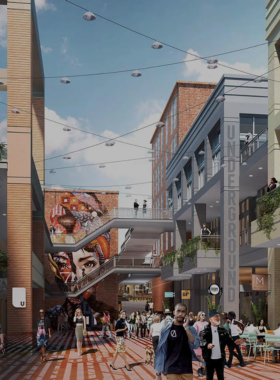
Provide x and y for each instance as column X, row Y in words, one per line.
column 155, row 221
column 116, row 264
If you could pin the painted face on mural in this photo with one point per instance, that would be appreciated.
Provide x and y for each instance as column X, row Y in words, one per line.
column 74, row 213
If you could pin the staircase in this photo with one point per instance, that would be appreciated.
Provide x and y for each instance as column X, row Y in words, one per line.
column 115, row 264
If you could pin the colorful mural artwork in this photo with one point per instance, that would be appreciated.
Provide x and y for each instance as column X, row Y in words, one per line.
column 72, row 213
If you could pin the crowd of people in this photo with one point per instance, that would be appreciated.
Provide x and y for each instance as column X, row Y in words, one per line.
column 178, row 339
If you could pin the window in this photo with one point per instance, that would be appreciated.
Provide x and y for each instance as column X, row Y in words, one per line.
column 161, row 183
column 161, row 242
column 166, row 199
column 166, row 128
column 188, row 173
column 175, row 143
column 201, row 178
column 251, row 123
column 175, row 112
column 154, row 184
column 161, row 201
column 216, row 163
column 171, row 119
column 189, row 190
column 161, row 139
column 172, row 239
column 166, row 240
column 167, row 157
column 172, row 148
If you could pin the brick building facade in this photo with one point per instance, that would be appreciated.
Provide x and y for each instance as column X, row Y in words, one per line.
column 182, row 108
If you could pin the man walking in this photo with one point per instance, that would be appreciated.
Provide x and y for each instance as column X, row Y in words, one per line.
column 43, row 333
column 213, row 340
column 136, row 206
column 174, row 355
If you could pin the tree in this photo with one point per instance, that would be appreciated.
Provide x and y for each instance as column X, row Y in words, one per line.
column 212, row 305
column 3, row 261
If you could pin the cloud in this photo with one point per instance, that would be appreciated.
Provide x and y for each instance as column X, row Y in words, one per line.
column 64, row 46
column 44, row 5
column 199, row 71
column 3, row 26
column 46, row 49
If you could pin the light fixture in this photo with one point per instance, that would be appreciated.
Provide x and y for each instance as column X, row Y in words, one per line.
column 15, row 110
column 52, row 171
column 169, row 199
column 1, row 82
column 89, row 16
column 160, row 124
column 4, row 214
column 201, row 152
column 260, row 168
column 136, row 74
column 157, row 45
column 217, row 201
column 250, row 175
column 244, row 163
column 258, row 80
column 67, row 157
column 67, row 129
column 211, row 206
column 103, row 192
column 185, row 158
column 223, row 165
column 212, row 66
column 189, row 203
column 175, row 180
column 102, row 166
column 212, row 60
column 220, row 99
column 65, row 80
column 110, row 143
column 189, row 223
column 128, row 187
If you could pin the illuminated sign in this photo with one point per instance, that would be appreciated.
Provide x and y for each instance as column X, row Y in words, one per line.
column 185, row 294
column 260, row 282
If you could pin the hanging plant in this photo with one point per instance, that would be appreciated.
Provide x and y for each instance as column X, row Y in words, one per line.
column 180, row 260
column 170, row 258
column 212, row 305
column 266, row 207
column 3, row 261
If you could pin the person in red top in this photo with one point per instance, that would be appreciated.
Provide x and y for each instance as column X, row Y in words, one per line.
column 106, row 324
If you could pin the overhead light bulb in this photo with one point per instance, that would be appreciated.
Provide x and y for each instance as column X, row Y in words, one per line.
column 244, row 163
column 67, row 129
column 128, row 187
column 67, row 157
column 189, row 203
column 211, row 206
column 65, row 80
column 157, row 45
column 52, row 171
column 176, row 180
column 260, row 168
column 110, row 143
column 160, row 124
column 250, row 175
column 102, row 166
column 212, row 61
column 201, row 152
column 185, row 158
column 15, row 110
column 258, row 79
column 136, row 74
column 223, row 165
column 211, row 67
column 89, row 16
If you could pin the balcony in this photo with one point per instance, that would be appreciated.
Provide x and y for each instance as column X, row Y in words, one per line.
column 198, row 255
column 253, row 146
column 266, row 228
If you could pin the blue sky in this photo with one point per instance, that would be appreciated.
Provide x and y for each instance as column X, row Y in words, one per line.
column 114, row 104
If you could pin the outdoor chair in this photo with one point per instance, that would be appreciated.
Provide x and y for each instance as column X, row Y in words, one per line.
column 270, row 341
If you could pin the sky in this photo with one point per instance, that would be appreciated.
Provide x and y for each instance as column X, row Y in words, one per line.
column 111, row 105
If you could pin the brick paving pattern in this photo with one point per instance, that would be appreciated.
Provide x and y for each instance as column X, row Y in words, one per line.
column 22, row 361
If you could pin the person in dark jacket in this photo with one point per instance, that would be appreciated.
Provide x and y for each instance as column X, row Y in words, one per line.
column 272, row 185
column 213, row 341
column 135, row 206
column 43, row 333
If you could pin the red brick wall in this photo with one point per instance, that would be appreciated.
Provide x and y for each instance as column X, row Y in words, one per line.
column 107, row 291
column 158, row 289
column 38, row 299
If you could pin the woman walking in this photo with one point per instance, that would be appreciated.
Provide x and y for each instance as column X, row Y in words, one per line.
column 199, row 326
column 120, row 329
column 155, row 332
column 106, row 322
column 80, row 329
column 138, row 323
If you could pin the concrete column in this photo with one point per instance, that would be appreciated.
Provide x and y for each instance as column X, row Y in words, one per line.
column 229, row 203
column 198, row 218
column 175, row 197
column 208, row 160
column 273, row 163
column 195, row 293
column 19, row 190
column 183, row 187
column 180, row 233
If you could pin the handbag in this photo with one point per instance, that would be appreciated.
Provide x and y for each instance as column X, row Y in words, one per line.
column 84, row 328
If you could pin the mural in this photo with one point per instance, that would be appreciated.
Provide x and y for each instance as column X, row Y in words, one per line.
column 72, row 214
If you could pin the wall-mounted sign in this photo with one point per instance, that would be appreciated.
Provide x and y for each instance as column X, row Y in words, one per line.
column 19, row 297
column 185, row 294
column 260, row 282
column 169, row 294
column 214, row 289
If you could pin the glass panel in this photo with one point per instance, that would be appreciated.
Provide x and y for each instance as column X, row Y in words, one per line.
column 246, row 124
column 260, row 123
column 175, row 112
column 166, row 128
column 171, row 119
column 167, row 160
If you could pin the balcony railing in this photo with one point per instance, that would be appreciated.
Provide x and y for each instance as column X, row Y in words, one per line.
column 116, row 213
column 253, row 146
column 245, row 237
column 93, row 277
column 3, row 152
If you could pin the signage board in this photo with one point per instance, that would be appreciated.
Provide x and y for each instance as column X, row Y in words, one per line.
column 185, row 294
column 260, row 282
column 214, row 289
column 19, row 297
column 168, row 294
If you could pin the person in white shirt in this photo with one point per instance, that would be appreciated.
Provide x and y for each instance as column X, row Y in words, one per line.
column 167, row 319
column 251, row 328
column 234, row 332
column 155, row 332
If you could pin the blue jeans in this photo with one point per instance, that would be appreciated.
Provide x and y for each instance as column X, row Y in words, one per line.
column 105, row 327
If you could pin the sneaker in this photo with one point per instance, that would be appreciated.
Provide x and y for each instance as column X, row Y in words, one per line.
column 226, row 366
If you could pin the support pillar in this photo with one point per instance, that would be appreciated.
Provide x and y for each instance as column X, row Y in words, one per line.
column 229, row 203
column 183, row 187
column 198, row 218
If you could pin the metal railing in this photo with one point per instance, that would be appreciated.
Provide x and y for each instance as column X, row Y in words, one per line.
column 115, row 213
column 3, row 152
column 253, row 145
column 245, row 237
column 208, row 242
column 97, row 274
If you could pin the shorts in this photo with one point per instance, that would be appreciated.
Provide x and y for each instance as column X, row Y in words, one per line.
column 120, row 344
column 42, row 342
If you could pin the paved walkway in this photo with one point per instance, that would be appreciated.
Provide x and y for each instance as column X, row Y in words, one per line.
column 23, row 361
